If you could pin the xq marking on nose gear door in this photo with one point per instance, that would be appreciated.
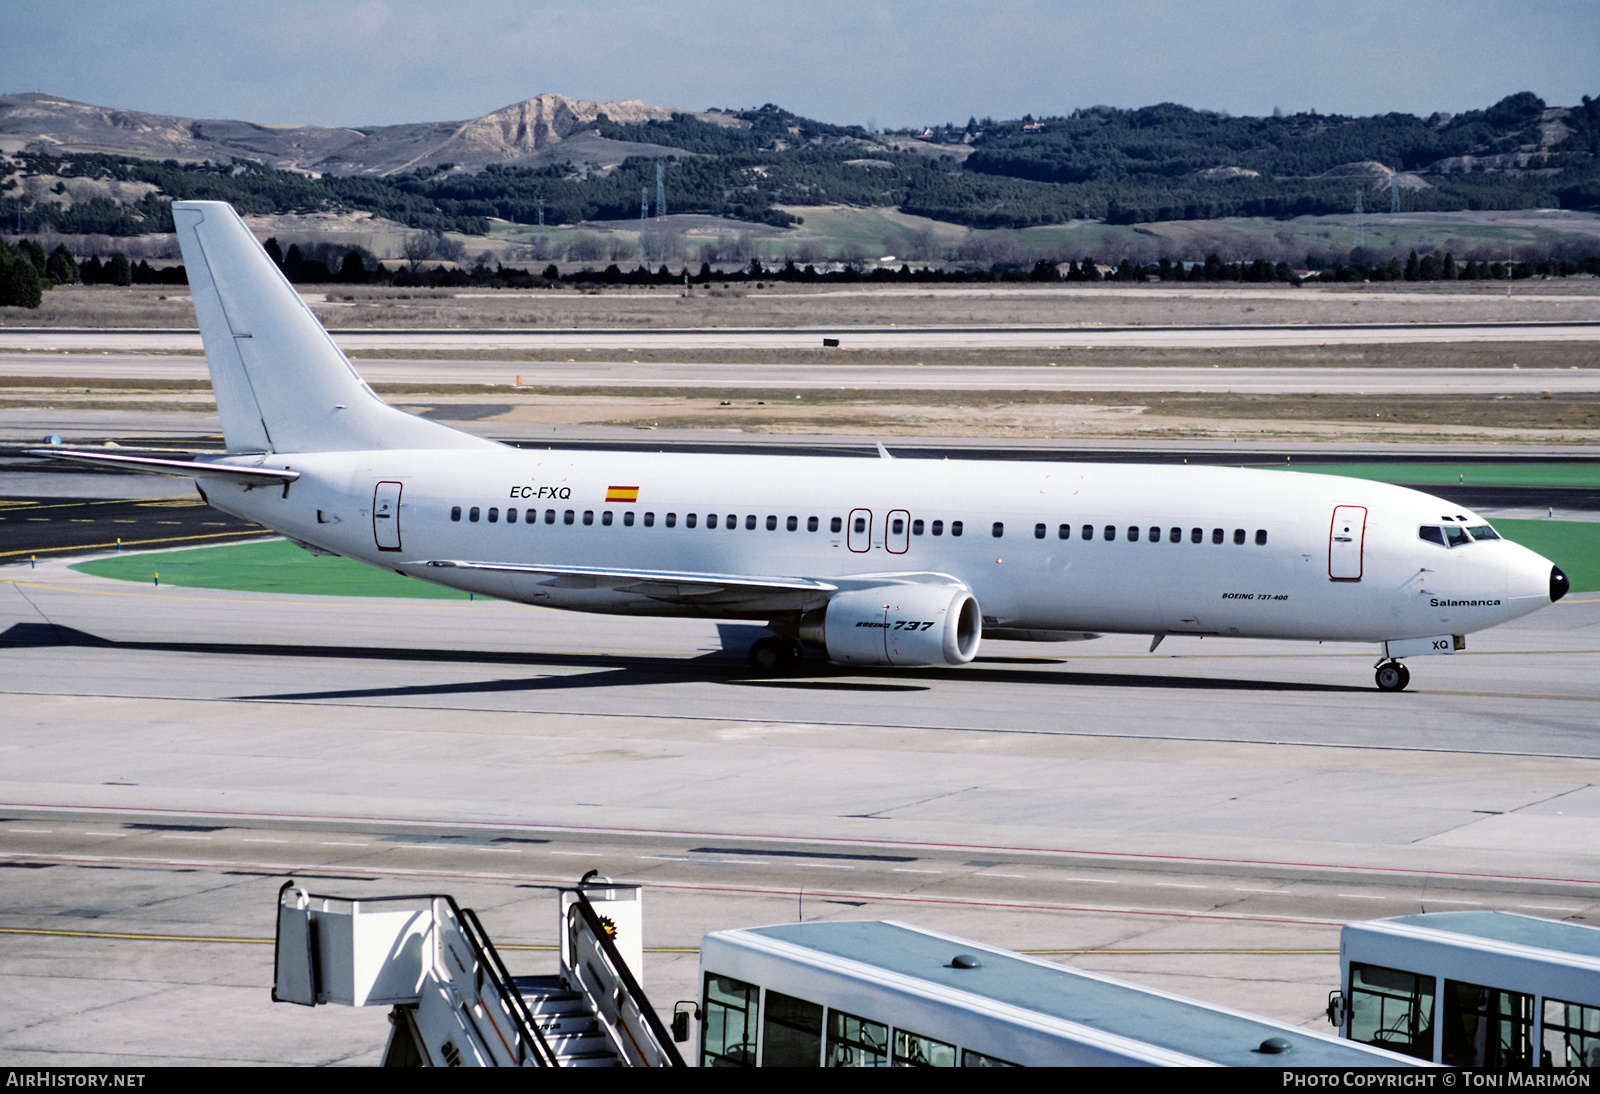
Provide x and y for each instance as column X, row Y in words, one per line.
column 1345, row 537
column 386, row 516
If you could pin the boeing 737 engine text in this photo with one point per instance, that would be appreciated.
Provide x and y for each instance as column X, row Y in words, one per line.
column 870, row 561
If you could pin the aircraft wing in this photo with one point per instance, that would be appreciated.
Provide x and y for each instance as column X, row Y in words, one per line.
column 161, row 466
column 671, row 586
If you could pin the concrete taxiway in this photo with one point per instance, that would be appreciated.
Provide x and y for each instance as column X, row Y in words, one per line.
column 1202, row 818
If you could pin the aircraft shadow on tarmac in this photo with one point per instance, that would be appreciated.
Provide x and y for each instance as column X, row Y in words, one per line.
column 720, row 667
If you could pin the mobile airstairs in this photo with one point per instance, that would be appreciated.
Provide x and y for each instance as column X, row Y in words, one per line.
column 454, row 1002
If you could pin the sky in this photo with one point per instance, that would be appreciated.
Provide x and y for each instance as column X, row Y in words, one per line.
column 889, row 65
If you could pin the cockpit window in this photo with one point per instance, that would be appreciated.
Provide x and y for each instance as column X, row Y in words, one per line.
column 1431, row 534
column 1482, row 531
column 1456, row 536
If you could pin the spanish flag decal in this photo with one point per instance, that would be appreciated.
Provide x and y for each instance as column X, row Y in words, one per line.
column 622, row 493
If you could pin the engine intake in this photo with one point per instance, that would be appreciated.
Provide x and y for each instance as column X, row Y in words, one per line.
column 905, row 625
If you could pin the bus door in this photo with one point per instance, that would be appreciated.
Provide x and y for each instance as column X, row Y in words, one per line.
column 1346, row 534
column 859, row 531
column 386, row 516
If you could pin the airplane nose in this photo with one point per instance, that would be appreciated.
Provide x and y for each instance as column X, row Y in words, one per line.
column 1559, row 585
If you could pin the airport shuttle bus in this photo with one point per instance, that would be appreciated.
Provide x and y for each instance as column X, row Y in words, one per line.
column 884, row 994
column 1472, row 989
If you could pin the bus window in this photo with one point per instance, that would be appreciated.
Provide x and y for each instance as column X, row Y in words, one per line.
column 915, row 1050
column 978, row 1059
column 728, row 1027
column 1571, row 1035
column 856, row 1042
column 1486, row 1027
column 792, row 1036
column 1392, row 1009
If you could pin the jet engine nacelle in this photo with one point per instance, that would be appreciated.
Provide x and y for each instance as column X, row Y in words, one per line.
column 897, row 625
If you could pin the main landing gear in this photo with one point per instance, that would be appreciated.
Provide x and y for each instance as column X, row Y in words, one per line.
column 1392, row 675
column 772, row 656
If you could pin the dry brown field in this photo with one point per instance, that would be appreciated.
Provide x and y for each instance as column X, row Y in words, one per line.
column 784, row 305
column 492, row 409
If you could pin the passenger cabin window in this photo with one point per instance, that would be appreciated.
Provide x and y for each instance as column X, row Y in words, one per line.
column 916, row 527
column 792, row 524
column 856, row 1042
column 998, row 530
column 1175, row 535
column 472, row 514
column 511, row 516
column 1571, row 1035
column 588, row 516
column 455, row 512
column 1155, row 535
column 1038, row 531
column 494, row 516
column 750, row 523
column 1133, row 533
column 689, row 519
column 568, row 517
column 1088, row 531
column 1238, row 537
column 955, row 528
column 605, row 518
column 835, row 524
column 1109, row 532
column 860, row 525
column 915, row 1050
column 811, row 524
column 1216, row 535
column 1064, row 532
column 627, row 519
column 937, row 528
column 1261, row 537
column 649, row 520
column 897, row 525
column 1197, row 535
column 711, row 520
column 672, row 520
column 549, row 516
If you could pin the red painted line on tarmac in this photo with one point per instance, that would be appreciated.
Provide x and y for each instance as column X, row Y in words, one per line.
column 309, row 873
column 502, row 826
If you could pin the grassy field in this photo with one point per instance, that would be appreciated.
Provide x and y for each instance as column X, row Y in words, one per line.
column 277, row 566
column 1440, row 474
column 273, row 566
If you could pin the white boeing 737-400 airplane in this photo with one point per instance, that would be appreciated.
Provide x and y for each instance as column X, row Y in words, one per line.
column 870, row 561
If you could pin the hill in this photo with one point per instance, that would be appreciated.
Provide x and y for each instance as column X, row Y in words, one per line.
column 550, row 160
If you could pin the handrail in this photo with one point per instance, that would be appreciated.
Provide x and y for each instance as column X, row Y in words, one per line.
column 658, row 1031
column 487, row 955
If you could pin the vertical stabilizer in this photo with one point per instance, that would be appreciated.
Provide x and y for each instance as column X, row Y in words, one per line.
column 281, row 383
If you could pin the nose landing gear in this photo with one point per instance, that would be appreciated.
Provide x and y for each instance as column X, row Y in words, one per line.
column 1392, row 675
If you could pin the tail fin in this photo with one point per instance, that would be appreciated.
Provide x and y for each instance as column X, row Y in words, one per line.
column 281, row 383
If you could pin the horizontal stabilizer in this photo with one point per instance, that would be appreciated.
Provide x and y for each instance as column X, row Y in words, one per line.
column 161, row 466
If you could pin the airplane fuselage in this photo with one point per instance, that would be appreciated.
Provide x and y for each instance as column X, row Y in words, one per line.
column 1043, row 547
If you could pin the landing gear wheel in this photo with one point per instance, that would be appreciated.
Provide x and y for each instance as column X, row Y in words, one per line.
column 769, row 655
column 1393, row 676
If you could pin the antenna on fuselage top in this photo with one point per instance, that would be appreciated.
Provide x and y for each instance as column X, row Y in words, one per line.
column 884, row 452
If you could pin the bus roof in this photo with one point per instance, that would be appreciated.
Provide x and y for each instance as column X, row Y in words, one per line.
column 1510, row 927
column 1197, row 1030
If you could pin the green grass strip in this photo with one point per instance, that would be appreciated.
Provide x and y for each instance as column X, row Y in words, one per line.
column 1572, row 545
column 1442, row 474
column 273, row 566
